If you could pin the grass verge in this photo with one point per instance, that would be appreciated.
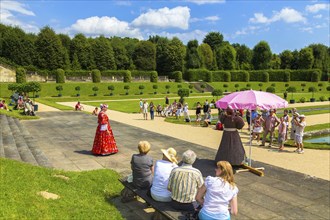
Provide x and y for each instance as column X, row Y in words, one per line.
column 85, row 195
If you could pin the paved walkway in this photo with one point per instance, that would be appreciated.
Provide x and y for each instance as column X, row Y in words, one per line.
column 66, row 138
column 210, row 138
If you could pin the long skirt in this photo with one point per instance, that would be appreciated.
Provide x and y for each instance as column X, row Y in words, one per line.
column 104, row 143
column 231, row 148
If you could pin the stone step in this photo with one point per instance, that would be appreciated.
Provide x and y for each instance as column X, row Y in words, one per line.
column 9, row 144
column 22, row 147
column 21, row 127
column 38, row 154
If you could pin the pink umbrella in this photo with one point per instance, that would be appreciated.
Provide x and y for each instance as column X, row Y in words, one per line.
column 251, row 100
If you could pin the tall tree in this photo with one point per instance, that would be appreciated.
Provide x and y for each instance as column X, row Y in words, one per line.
column 321, row 57
column 226, row 57
column 206, row 55
column 214, row 39
column 286, row 59
column 81, row 46
column 275, row 62
column 103, row 54
column 261, row 56
column 120, row 54
column 144, row 56
column 192, row 57
column 306, row 58
column 295, row 60
column 243, row 56
column 51, row 53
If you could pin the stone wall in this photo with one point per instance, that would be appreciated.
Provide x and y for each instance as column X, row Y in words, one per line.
column 7, row 75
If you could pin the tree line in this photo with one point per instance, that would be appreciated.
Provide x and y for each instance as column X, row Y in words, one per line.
column 50, row 51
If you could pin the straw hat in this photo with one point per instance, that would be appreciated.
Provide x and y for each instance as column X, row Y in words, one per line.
column 170, row 154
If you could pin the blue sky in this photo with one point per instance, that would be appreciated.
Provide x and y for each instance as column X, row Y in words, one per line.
column 290, row 24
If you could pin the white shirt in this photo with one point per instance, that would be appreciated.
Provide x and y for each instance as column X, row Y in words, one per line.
column 300, row 128
column 218, row 195
column 162, row 172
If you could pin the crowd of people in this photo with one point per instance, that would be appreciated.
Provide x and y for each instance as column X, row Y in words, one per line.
column 183, row 186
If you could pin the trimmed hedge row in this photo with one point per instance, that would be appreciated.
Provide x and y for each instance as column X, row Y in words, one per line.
column 283, row 75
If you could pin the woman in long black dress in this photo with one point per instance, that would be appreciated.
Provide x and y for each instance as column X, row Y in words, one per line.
column 231, row 148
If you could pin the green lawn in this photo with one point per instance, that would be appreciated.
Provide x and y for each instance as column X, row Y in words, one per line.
column 86, row 195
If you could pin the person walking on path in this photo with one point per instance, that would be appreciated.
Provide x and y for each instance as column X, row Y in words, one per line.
column 217, row 193
column 145, row 110
column 141, row 105
column 104, row 141
column 271, row 122
column 231, row 148
column 152, row 110
column 281, row 133
column 300, row 126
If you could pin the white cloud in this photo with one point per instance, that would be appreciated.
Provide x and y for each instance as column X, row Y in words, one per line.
column 109, row 26
column 164, row 18
column 9, row 9
column 202, row 2
column 317, row 16
column 307, row 29
column 123, row 3
column 210, row 18
column 287, row 15
column 317, row 7
column 247, row 30
column 15, row 6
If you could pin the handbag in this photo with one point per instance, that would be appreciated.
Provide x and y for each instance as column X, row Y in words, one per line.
column 103, row 127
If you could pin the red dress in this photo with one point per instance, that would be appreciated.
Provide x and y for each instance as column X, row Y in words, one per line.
column 104, row 143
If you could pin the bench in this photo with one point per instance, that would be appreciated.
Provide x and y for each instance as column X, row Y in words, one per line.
column 163, row 210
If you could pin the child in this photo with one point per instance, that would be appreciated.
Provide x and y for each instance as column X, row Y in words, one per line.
column 300, row 126
column 257, row 127
column 281, row 133
column 95, row 111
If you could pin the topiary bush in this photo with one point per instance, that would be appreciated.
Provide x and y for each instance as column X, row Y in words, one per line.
column 141, row 87
column 95, row 89
column 302, row 100
column 60, row 78
column 265, row 77
column 96, row 76
column 111, row 88
column 126, row 87
column 322, row 98
column 20, row 75
column 127, row 77
column 77, row 88
column 270, row 89
column 155, row 87
column 217, row 93
column 154, row 76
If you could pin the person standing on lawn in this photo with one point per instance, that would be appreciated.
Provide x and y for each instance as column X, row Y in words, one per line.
column 300, row 126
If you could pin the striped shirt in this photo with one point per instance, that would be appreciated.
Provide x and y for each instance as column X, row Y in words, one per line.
column 184, row 182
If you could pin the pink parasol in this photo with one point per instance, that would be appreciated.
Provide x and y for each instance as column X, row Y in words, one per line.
column 251, row 100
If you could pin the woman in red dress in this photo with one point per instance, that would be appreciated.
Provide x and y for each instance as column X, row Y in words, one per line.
column 104, row 141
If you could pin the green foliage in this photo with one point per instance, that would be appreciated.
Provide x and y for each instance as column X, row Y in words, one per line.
column 12, row 87
column 34, row 87
column 154, row 76
column 141, row 87
column 273, row 84
column 76, row 73
column 95, row 89
column 59, row 88
column 209, row 76
column 312, row 89
column 291, row 89
column 183, row 93
column 155, row 87
column 261, row 56
column 177, row 75
column 265, row 77
column 127, row 87
column 111, row 88
column 240, row 76
column 248, row 85
column 225, row 85
column 286, row 84
column 315, row 76
column 20, row 75
column 302, row 100
column 322, row 98
column 219, row 76
column 167, row 87
column 96, row 76
column 77, row 88
column 287, row 75
column 217, row 93
column 144, row 56
column 312, row 75
column 127, row 77
column 214, row 39
column 270, row 89
column 226, row 77
column 60, row 76
column 328, row 88
column 196, row 74
column 193, row 60
column 236, row 86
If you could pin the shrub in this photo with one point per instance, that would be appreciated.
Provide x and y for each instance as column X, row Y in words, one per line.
column 291, row 89
column 141, row 87
column 60, row 78
column 248, row 85
column 226, row 77
column 155, row 87
column 270, row 89
column 96, row 76
column 183, row 93
column 328, row 88
column 312, row 89
column 236, row 86
column 95, row 89
column 260, row 86
column 20, row 75
column 34, row 87
column 203, row 86
column 127, row 77
column 209, row 76
column 167, row 87
column 315, row 76
column 59, row 89
column 154, row 76
column 191, row 87
column 302, row 99
column 286, row 85
column 287, row 76
column 303, row 85
column 217, row 93
column 320, row 85
column 111, row 88
column 126, row 87
column 77, row 88
column 322, row 98
column 265, row 77
column 243, row 89
column 273, row 84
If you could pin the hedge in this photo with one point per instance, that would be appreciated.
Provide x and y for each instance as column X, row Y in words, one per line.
column 177, row 76
column 220, row 75
column 77, row 73
column 127, row 77
column 196, row 75
column 306, row 75
column 240, row 76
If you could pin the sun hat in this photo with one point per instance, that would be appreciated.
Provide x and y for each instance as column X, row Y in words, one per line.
column 301, row 116
column 103, row 106
column 170, row 154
